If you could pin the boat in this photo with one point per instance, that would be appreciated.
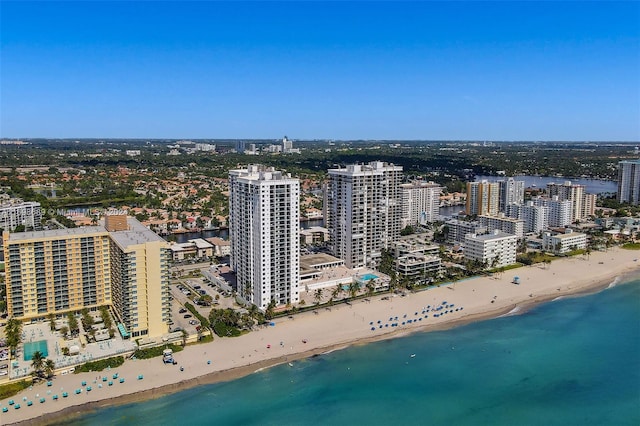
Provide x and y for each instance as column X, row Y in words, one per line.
column 413, row 355
column 290, row 364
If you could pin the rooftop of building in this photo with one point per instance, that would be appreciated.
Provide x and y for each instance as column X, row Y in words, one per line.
column 259, row 172
column 313, row 229
column 136, row 234
column 311, row 260
column 201, row 243
column 217, row 241
column 569, row 235
column 56, row 233
column 371, row 167
column 495, row 235
column 420, row 184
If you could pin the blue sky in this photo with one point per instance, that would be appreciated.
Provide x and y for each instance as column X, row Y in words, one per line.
column 338, row 70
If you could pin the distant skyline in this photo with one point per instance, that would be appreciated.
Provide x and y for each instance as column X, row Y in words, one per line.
column 321, row 70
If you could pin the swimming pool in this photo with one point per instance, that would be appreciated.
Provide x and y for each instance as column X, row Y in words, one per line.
column 32, row 347
column 367, row 277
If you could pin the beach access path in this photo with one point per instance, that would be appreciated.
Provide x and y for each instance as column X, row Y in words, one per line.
column 324, row 330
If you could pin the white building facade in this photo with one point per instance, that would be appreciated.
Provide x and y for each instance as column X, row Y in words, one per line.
column 582, row 204
column 564, row 243
column 363, row 211
column 420, row 203
column 493, row 250
column 503, row 223
column 511, row 192
column 25, row 213
column 264, row 227
column 560, row 211
column 535, row 218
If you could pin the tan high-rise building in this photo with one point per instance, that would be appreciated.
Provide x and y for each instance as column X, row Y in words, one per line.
column 140, row 262
column 66, row 270
column 483, row 198
column 56, row 271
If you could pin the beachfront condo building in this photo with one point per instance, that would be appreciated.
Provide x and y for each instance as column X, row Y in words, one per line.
column 483, row 198
column 418, row 268
column 582, row 204
column 66, row 270
column 56, row 271
column 564, row 243
column 491, row 250
column 264, row 228
column 629, row 182
column 420, row 203
column 363, row 211
column 140, row 261
column 503, row 223
column 511, row 192
column 15, row 212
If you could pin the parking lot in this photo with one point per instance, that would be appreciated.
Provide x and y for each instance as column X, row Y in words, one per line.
column 191, row 290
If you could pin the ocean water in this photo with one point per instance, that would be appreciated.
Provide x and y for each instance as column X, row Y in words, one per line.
column 573, row 361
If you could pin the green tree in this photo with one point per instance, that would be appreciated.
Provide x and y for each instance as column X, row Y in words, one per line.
column 370, row 287
column 270, row 309
column 74, row 329
column 353, row 289
column 37, row 363
column 13, row 332
column 52, row 322
column 49, row 368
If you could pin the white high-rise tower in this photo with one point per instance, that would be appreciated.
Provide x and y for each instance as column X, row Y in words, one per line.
column 264, row 227
column 363, row 211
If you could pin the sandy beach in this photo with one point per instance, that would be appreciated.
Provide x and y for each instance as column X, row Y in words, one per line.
column 322, row 331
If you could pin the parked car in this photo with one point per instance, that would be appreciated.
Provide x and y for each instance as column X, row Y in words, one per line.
column 4, row 366
column 182, row 310
column 188, row 316
column 193, row 322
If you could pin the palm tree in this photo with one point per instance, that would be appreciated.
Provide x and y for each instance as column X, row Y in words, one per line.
column 49, row 367
column 13, row 331
column 318, row 296
column 393, row 282
column 353, row 289
column 270, row 309
column 37, row 363
column 336, row 291
column 370, row 287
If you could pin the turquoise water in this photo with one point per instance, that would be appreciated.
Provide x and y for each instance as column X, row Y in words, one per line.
column 574, row 361
column 32, row 347
column 367, row 277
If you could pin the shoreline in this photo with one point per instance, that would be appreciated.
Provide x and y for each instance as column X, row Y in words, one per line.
column 568, row 286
